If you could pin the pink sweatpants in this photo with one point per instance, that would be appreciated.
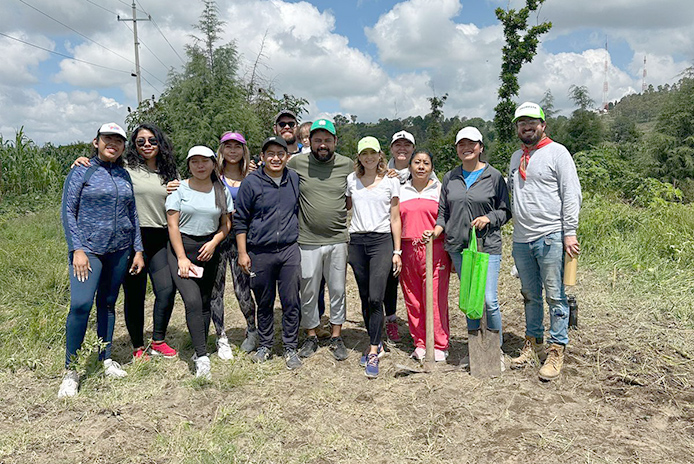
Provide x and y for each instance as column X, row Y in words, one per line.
column 413, row 280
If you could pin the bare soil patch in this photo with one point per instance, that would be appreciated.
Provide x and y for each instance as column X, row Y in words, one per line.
column 625, row 396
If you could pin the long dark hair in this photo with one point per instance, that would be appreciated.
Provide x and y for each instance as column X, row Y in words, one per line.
column 166, row 163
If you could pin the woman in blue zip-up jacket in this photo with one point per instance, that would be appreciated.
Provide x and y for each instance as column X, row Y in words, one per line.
column 266, row 223
column 101, row 230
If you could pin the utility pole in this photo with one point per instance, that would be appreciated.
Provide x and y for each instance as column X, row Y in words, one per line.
column 137, row 49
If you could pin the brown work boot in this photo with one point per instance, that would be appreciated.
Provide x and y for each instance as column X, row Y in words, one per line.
column 324, row 329
column 552, row 366
column 528, row 355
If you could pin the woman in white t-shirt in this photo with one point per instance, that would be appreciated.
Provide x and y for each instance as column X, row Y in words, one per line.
column 198, row 219
column 374, row 248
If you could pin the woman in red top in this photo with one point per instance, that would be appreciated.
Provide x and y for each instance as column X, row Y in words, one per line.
column 419, row 207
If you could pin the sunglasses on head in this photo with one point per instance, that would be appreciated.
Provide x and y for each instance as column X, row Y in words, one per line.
column 140, row 142
column 284, row 124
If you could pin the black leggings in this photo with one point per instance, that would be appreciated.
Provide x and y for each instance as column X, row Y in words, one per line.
column 371, row 258
column 196, row 292
column 155, row 241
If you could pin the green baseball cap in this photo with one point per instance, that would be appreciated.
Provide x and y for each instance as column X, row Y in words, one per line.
column 529, row 110
column 325, row 124
column 368, row 142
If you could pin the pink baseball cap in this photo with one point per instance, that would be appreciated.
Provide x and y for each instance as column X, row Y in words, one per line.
column 232, row 136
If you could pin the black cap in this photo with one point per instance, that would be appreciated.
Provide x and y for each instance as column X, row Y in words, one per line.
column 276, row 140
column 285, row 112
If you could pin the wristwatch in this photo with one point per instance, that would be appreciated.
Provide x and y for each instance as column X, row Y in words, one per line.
column 397, row 252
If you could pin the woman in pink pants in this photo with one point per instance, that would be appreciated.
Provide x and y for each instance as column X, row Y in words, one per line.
column 419, row 207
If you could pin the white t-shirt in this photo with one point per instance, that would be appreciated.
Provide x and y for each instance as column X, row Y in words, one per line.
column 371, row 206
column 199, row 212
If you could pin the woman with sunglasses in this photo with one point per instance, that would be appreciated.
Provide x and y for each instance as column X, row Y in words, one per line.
column 151, row 165
column 233, row 160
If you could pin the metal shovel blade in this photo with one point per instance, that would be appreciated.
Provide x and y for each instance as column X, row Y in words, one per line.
column 483, row 348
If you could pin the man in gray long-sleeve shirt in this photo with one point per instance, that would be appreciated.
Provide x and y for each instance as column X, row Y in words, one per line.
column 546, row 202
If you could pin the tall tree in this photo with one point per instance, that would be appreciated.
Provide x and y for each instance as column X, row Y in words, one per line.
column 519, row 49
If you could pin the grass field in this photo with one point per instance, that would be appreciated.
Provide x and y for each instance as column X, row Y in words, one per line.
column 626, row 394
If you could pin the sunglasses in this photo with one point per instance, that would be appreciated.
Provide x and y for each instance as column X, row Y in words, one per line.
column 142, row 141
column 284, row 124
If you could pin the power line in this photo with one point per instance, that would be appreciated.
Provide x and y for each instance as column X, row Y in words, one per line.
column 88, row 38
column 129, row 6
column 103, row 8
column 161, row 33
column 62, row 54
column 150, row 50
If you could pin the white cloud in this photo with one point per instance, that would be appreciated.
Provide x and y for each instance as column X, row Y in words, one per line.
column 20, row 61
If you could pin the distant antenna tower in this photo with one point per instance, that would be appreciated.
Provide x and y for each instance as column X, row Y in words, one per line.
column 643, row 84
column 604, row 85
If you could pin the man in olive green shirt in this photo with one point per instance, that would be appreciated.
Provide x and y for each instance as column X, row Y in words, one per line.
column 323, row 233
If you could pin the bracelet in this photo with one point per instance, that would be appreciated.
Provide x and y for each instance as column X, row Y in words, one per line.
column 397, row 252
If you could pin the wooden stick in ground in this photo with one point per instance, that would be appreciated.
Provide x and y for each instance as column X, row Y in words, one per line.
column 429, row 358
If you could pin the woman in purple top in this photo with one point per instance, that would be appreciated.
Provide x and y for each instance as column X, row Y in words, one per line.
column 101, row 230
column 233, row 158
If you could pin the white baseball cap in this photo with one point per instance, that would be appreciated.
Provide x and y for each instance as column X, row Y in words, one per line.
column 402, row 135
column 530, row 110
column 112, row 128
column 470, row 133
column 201, row 150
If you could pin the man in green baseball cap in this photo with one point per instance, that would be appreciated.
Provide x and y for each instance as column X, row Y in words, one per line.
column 545, row 203
column 323, row 233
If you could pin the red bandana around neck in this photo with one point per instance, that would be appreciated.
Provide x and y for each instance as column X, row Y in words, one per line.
column 525, row 158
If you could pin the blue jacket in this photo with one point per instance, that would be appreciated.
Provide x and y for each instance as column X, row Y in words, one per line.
column 267, row 213
column 98, row 213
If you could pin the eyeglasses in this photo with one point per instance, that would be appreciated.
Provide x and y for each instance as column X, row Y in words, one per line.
column 142, row 141
column 272, row 154
column 284, row 124
column 528, row 123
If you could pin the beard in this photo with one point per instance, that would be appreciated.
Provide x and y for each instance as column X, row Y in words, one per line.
column 531, row 139
column 323, row 155
column 291, row 140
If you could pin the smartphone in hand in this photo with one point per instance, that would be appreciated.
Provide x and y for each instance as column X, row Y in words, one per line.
column 195, row 271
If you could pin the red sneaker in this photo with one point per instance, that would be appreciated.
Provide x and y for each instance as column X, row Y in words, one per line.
column 162, row 349
column 140, row 354
column 392, row 331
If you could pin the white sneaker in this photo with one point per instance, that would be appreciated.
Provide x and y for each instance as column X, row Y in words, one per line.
column 202, row 367
column 113, row 369
column 70, row 384
column 224, row 349
column 503, row 362
column 440, row 355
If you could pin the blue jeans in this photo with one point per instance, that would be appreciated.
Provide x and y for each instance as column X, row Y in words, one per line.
column 541, row 264
column 491, row 296
column 104, row 281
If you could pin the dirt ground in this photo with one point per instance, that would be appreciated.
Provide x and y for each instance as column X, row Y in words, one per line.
column 625, row 396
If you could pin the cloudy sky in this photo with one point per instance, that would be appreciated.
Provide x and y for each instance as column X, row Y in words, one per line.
column 371, row 58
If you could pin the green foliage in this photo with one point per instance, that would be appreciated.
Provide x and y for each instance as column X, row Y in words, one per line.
column 519, row 49
column 29, row 170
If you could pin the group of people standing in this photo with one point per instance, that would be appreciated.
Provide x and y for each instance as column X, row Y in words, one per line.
column 282, row 226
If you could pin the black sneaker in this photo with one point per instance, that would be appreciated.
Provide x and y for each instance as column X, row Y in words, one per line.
column 262, row 355
column 291, row 358
column 309, row 347
column 337, row 346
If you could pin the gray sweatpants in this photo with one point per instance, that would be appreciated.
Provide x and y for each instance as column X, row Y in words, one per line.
column 317, row 261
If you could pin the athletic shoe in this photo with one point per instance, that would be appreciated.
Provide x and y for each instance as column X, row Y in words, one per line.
column 365, row 355
column 419, row 353
column 309, row 347
column 371, row 368
column 69, row 385
column 291, row 358
column 250, row 343
column 503, row 361
column 112, row 369
column 202, row 367
column 440, row 355
column 392, row 331
column 162, row 349
column 140, row 355
column 262, row 355
column 223, row 349
column 337, row 346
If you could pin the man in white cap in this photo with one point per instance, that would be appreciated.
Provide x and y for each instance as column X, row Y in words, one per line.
column 546, row 200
